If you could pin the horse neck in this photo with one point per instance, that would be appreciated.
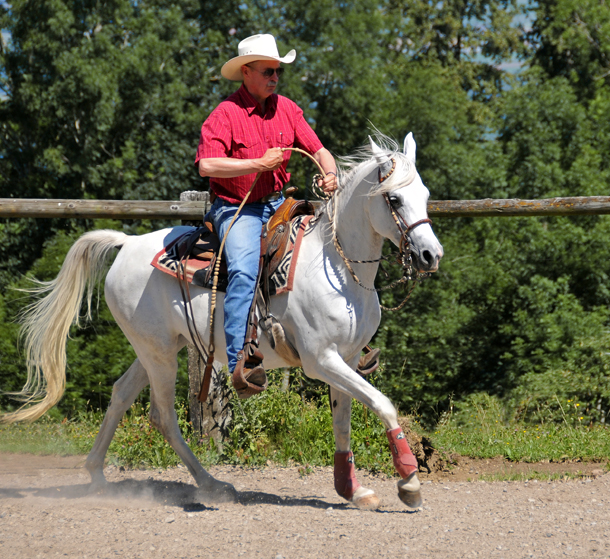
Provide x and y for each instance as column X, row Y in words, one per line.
column 353, row 229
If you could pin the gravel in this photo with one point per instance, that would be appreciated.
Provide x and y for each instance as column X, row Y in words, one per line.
column 48, row 509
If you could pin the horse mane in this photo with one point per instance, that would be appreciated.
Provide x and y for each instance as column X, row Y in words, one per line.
column 353, row 169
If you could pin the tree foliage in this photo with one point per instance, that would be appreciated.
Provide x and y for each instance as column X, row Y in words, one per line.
column 105, row 100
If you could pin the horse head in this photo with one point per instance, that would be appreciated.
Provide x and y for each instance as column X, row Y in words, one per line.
column 398, row 205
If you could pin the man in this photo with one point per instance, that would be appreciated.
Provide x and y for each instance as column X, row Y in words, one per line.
column 246, row 134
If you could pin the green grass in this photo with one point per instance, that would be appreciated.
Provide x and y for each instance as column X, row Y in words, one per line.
column 276, row 426
column 43, row 437
column 526, row 443
column 283, row 428
column 477, row 428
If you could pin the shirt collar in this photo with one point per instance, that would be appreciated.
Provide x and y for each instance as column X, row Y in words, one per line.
column 251, row 104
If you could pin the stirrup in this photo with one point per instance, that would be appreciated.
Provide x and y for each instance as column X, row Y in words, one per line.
column 249, row 377
column 369, row 362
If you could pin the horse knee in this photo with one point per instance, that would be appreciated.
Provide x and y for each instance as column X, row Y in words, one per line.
column 127, row 387
column 118, row 397
column 386, row 412
column 164, row 423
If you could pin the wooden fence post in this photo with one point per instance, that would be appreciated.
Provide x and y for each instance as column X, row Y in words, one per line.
column 212, row 418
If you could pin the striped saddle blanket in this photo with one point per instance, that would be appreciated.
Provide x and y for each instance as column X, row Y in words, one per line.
column 202, row 246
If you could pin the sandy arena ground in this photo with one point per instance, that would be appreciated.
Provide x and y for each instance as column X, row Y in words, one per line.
column 48, row 509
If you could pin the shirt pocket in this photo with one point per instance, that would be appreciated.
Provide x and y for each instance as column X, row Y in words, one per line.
column 246, row 147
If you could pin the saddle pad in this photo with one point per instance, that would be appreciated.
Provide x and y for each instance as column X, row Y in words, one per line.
column 283, row 278
column 201, row 260
column 198, row 271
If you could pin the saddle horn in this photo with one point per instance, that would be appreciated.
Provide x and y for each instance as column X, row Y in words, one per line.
column 384, row 162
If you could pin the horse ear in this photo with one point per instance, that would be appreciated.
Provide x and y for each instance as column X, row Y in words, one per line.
column 384, row 162
column 410, row 147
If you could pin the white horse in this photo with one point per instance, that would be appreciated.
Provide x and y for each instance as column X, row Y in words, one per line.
column 328, row 318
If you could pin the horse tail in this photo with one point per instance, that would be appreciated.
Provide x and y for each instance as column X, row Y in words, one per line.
column 46, row 322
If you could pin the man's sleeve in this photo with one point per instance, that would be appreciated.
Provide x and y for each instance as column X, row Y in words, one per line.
column 215, row 139
column 304, row 137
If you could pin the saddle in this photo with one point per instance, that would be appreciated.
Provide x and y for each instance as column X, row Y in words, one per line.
column 192, row 257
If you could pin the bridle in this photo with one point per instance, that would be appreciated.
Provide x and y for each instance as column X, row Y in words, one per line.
column 403, row 227
column 408, row 271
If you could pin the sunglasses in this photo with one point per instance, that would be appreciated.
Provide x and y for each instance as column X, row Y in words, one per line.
column 268, row 72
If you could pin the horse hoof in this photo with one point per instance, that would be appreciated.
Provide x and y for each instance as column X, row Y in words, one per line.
column 365, row 499
column 219, row 492
column 409, row 491
column 98, row 479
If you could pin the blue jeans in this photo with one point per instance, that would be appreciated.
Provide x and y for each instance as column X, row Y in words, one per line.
column 242, row 254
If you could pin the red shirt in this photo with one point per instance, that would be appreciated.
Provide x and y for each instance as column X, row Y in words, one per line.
column 237, row 128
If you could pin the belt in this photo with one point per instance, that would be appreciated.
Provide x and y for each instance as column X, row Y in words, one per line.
column 269, row 198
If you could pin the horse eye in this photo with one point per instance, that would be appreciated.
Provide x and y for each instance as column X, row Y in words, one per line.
column 395, row 202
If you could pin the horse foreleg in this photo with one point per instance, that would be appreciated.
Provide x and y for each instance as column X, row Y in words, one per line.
column 335, row 372
column 346, row 484
column 124, row 392
column 406, row 465
column 163, row 417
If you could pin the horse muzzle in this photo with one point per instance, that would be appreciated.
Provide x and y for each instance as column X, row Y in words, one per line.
column 426, row 259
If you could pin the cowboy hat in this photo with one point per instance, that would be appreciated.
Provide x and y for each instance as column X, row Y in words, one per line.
column 257, row 47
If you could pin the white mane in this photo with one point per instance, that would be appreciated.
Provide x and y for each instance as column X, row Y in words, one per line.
column 353, row 169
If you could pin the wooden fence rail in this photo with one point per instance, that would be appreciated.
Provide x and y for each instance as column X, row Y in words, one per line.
column 193, row 210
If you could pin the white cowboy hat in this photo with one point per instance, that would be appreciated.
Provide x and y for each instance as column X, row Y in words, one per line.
column 257, row 47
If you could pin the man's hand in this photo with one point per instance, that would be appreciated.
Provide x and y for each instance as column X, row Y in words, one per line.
column 324, row 158
column 272, row 160
column 329, row 183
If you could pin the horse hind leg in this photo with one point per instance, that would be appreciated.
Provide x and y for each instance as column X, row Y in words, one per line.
column 346, row 484
column 124, row 393
column 163, row 416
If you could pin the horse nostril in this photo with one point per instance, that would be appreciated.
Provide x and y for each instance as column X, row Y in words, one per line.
column 427, row 256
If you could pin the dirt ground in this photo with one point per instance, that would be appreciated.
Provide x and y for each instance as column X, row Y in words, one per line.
column 48, row 509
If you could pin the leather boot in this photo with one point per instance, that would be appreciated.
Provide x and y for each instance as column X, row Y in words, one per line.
column 249, row 377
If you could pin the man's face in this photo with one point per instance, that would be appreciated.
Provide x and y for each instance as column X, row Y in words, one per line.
column 259, row 86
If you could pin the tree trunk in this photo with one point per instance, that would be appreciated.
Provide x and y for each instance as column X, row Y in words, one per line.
column 213, row 417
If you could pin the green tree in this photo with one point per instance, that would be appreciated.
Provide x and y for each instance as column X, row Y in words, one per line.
column 572, row 39
column 103, row 100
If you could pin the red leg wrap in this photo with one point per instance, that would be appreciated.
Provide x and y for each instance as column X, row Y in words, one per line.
column 346, row 483
column 404, row 460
